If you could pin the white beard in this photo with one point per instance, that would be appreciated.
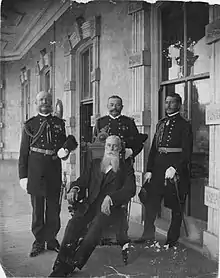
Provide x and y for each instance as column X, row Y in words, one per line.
column 110, row 160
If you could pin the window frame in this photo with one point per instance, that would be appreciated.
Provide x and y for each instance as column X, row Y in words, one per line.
column 88, row 99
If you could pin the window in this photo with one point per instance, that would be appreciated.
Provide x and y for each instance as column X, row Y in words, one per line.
column 185, row 70
column 25, row 94
column 45, row 80
column 87, row 67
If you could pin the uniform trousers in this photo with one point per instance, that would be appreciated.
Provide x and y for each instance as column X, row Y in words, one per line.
column 152, row 208
column 45, row 217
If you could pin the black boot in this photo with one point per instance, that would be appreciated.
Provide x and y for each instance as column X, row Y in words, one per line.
column 61, row 269
column 53, row 245
column 37, row 248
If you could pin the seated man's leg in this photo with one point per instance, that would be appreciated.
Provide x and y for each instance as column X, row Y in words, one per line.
column 122, row 229
column 91, row 240
column 64, row 261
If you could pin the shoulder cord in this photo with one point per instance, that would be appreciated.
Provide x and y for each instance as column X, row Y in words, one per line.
column 36, row 136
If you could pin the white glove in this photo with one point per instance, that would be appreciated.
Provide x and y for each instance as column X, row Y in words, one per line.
column 62, row 153
column 147, row 176
column 170, row 173
column 23, row 183
column 128, row 152
column 72, row 196
column 106, row 204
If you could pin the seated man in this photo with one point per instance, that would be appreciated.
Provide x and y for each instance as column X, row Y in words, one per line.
column 110, row 183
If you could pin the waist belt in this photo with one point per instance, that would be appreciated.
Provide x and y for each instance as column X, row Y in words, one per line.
column 169, row 150
column 47, row 152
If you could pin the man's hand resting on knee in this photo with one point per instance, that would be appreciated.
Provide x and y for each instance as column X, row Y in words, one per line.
column 106, row 205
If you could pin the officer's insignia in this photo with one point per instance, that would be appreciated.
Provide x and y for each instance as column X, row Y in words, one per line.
column 58, row 128
column 124, row 127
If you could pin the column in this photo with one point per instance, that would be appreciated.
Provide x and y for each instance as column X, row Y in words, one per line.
column 140, row 102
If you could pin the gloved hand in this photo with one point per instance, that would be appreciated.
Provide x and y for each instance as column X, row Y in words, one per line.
column 23, row 183
column 73, row 195
column 62, row 153
column 147, row 176
column 170, row 173
column 128, row 152
column 106, row 204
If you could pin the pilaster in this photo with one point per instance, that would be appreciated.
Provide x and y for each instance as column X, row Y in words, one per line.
column 140, row 68
column 212, row 191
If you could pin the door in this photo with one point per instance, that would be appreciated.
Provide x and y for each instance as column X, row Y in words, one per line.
column 86, row 111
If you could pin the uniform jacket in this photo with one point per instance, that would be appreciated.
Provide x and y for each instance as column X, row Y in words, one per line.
column 124, row 127
column 43, row 171
column 120, row 186
column 171, row 132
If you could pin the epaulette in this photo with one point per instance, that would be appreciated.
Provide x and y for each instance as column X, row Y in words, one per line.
column 162, row 119
column 105, row 116
column 59, row 118
column 28, row 120
column 127, row 117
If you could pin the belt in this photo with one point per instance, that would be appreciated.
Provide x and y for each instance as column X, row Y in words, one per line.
column 46, row 152
column 169, row 150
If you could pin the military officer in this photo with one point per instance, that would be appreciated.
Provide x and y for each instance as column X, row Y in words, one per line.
column 43, row 145
column 169, row 159
column 117, row 124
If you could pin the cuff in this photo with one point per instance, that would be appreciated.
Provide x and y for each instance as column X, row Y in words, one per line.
column 110, row 199
column 75, row 187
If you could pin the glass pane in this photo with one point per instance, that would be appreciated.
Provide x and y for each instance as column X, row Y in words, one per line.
column 172, row 41
column 200, row 98
column 85, row 75
column 200, row 158
column 47, row 81
column 91, row 69
column 198, row 52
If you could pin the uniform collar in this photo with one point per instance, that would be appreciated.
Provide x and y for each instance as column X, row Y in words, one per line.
column 44, row 115
column 174, row 114
column 114, row 117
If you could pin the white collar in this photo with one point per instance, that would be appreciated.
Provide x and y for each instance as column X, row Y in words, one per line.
column 44, row 115
column 170, row 115
column 114, row 117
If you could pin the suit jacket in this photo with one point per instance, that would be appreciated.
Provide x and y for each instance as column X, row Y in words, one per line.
column 120, row 186
column 43, row 171
column 124, row 127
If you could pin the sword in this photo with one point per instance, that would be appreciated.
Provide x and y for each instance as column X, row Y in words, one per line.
column 63, row 189
column 179, row 202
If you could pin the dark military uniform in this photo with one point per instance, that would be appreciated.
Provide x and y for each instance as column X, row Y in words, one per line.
column 42, row 137
column 122, row 126
column 171, row 146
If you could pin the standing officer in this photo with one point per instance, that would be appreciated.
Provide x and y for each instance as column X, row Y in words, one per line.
column 116, row 124
column 43, row 144
column 168, row 160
